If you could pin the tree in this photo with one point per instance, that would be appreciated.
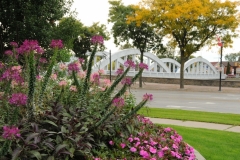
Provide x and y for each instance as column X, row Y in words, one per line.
column 82, row 42
column 190, row 24
column 228, row 69
column 68, row 29
column 233, row 57
column 30, row 19
column 142, row 36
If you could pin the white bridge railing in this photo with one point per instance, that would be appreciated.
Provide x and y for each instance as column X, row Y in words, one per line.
column 196, row 68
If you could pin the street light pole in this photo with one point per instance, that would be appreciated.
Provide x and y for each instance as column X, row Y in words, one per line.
column 220, row 79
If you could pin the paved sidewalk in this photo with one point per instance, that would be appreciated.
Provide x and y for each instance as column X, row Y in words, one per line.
column 222, row 127
column 176, row 87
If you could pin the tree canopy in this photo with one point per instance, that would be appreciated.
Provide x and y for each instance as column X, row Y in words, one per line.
column 30, row 19
column 142, row 36
column 190, row 24
column 233, row 57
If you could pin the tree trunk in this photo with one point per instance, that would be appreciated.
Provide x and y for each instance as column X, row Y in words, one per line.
column 140, row 77
column 182, row 71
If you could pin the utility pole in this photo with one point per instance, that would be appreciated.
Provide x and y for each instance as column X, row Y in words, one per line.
column 220, row 78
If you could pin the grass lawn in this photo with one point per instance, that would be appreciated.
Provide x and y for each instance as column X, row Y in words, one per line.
column 212, row 144
column 211, row 117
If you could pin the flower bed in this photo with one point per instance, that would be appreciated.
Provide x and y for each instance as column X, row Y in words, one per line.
column 60, row 111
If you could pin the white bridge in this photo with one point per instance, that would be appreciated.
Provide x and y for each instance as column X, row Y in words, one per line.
column 196, row 68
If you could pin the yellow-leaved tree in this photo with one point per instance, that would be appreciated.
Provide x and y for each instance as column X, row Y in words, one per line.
column 190, row 24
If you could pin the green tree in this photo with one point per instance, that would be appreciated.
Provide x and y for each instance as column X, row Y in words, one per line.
column 190, row 24
column 68, row 29
column 142, row 36
column 30, row 19
column 228, row 69
column 233, row 57
column 82, row 43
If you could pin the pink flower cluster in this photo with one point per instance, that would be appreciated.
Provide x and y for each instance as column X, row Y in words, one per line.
column 119, row 71
column 129, row 63
column 14, row 44
column 97, row 39
column 143, row 66
column 164, row 144
column 73, row 67
column 8, row 52
column 10, row 132
column 95, row 78
column 118, row 102
column 56, row 43
column 147, row 97
column 12, row 73
column 18, row 99
column 81, row 60
column 29, row 46
column 127, row 81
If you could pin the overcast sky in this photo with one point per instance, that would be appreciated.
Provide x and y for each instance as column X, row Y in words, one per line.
column 90, row 11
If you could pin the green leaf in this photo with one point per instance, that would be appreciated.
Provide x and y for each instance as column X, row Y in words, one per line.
column 50, row 158
column 63, row 130
column 35, row 154
column 50, row 122
column 31, row 136
column 16, row 153
column 72, row 150
column 59, row 147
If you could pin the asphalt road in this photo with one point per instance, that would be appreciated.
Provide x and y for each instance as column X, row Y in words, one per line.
column 187, row 100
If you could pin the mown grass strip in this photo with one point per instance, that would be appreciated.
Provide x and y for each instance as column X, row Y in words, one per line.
column 212, row 144
column 185, row 115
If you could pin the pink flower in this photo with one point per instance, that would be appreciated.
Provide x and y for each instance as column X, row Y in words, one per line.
column 39, row 77
column 82, row 74
column 160, row 154
column 62, row 83
column 147, row 97
column 123, row 145
column 173, row 153
column 62, row 66
column 97, row 39
column 29, row 46
column 118, row 102
column 43, row 60
column 73, row 88
column 14, row 44
column 137, row 144
column 127, row 81
column 130, row 63
column 81, row 60
column 54, row 76
column 18, row 99
column 153, row 150
column 56, row 44
column 133, row 149
column 10, row 132
column 73, row 67
column 107, row 82
column 95, row 78
column 130, row 139
column 143, row 66
column 119, row 71
column 8, row 52
column 165, row 148
column 167, row 129
column 111, row 143
column 101, row 71
column 175, row 146
column 144, row 154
